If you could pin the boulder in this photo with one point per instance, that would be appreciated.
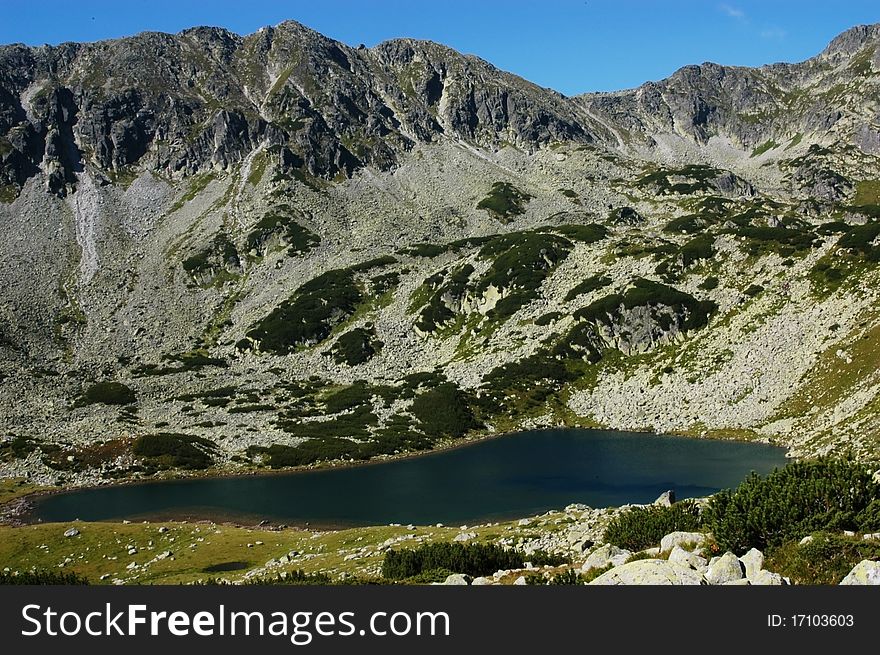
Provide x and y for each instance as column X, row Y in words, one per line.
column 457, row 579
column 666, row 498
column 649, row 572
column 742, row 582
column 465, row 536
column 680, row 556
column 481, row 581
column 680, row 539
column 521, row 580
column 725, row 569
column 865, row 572
column 605, row 555
column 765, row 578
column 71, row 532
column 752, row 561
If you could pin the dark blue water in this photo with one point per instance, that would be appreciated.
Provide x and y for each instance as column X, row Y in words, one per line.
column 512, row 476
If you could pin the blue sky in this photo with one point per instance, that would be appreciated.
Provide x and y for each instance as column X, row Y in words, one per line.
column 570, row 45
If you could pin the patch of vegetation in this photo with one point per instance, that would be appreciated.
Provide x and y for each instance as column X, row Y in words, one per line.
column 589, row 285
column 643, row 527
column 784, row 241
column 41, row 578
column 807, row 496
column 310, row 314
column 825, row 560
column 444, row 411
column 356, row 346
column 444, row 288
column 764, row 147
column 172, row 450
column 753, row 290
column 693, row 178
column 214, row 264
column 279, row 224
column 548, row 318
column 867, row 193
column 469, row 559
column 504, row 201
column 187, row 361
column 107, row 393
column 517, row 387
column 8, row 193
column 197, row 184
column 711, row 282
column 695, row 313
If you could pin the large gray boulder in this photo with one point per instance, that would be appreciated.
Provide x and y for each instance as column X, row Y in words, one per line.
column 605, row 555
column 674, row 539
column 726, row 568
column 650, row 572
column 865, row 572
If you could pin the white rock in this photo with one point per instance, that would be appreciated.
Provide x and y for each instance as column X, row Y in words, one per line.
column 725, row 569
column 456, row 579
column 680, row 539
column 521, row 580
column 649, row 572
column 753, row 561
column 865, row 572
column 806, row 540
column 665, row 499
column 605, row 555
column 763, row 577
column 480, row 581
column 71, row 532
column 742, row 582
column 165, row 554
column 680, row 556
column 465, row 536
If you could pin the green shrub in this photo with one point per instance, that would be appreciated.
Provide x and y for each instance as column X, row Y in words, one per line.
column 825, row 560
column 753, row 290
column 356, row 346
column 41, row 578
column 107, row 393
column 643, row 527
column 804, row 497
column 711, row 282
column 470, row 559
column 590, row 284
column 444, row 412
column 504, row 201
column 172, row 450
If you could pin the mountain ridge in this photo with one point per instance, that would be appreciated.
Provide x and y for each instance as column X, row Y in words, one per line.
column 262, row 236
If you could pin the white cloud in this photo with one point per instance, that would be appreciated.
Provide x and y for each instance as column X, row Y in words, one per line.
column 733, row 12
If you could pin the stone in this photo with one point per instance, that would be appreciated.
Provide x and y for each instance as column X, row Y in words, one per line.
column 71, row 532
column 457, row 579
column 865, row 572
column 605, row 555
column 165, row 554
column 752, row 561
column 163, row 529
column 465, row 536
column 725, row 569
column 132, row 551
column 665, row 499
column 681, row 539
column 685, row 558
column 766, row 578
column 480, row 581
column 871, row 536
column 650, row 572
column 806, row 540
column 742, row 582
column 521, row 580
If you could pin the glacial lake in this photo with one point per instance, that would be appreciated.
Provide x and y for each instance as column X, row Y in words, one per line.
column 502, row 478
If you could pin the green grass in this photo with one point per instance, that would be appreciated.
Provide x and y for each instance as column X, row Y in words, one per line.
column 825, row 560
column 764, row 147
column 867, row 193
column 504, row 201
column 107, row 393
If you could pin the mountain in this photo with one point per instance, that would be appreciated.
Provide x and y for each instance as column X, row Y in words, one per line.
column 277, row 249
